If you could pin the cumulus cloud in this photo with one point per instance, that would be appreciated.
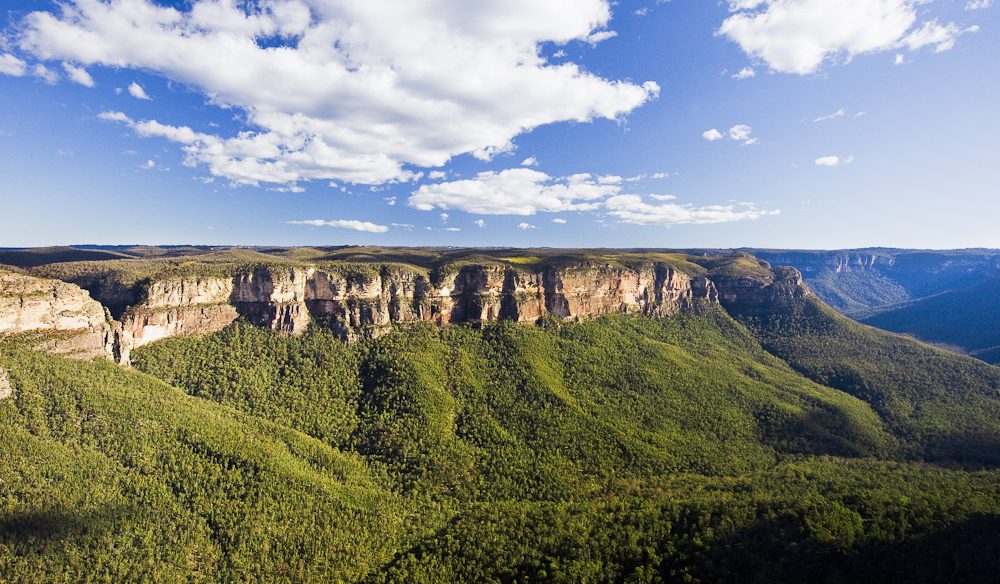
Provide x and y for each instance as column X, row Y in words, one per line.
column 364, row 226
column 136, row 91
column 359, row 91
column 742, row 133
column 745, row 73
column 44, row 73
column 633, row 209
column 480, row 223
column 523, row 191
column 712, row 135
column 833, row 161
column 78, row 75
column 978, row 4
column 559, row 221
column 799, row 36
column 526, row 226
column 529, row 161
column 516, row 191
column 11, row 65
column 739, row 133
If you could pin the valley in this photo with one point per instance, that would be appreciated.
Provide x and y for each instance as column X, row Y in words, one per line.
column 407, row 415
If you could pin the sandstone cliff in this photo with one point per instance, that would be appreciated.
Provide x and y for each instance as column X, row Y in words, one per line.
column 78, row 325
column 366, row 299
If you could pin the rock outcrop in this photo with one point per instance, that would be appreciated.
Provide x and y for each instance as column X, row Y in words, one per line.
column 366, row 300
column 362, row 300
column 6, row 389
column 75, row 324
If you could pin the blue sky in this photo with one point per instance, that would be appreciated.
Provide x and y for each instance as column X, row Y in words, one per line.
column 298, row 122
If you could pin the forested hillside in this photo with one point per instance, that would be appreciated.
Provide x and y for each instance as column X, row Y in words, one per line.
column 621, row 448
column 967, row 319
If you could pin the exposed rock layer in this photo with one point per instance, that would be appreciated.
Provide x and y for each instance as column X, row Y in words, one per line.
column 365, row 300
column 82, row 327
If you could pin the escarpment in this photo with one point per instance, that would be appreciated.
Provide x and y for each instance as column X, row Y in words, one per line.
column 366, row 299
column 63, row 317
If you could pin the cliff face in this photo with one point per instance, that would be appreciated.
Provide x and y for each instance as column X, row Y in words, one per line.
column 176, row 308
column 29, row 304
column 358, row 302
column 365, row 300
column 750, row 297
column 839, row 262
column 860, row 283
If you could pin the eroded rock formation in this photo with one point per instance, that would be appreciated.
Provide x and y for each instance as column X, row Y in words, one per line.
column 359, row 300
column 73, row 323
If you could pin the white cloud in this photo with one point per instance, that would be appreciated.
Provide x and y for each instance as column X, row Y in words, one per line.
column 516, row 191
column 148, row 165
column 480, row 223
column 526, row 226
column 11, row 65
column 742, row 133
column 899, row 60
column 365, row 226
column 799, row 36
column 437, row 175
column 452, row 229
column 941, row 37
column 443, row 217
column 136, row 91
column 391, row 201
column 529, row 161
column 978, row 4
column 78, row 75
column 833, row 161
column 402, row 226
column 45, row 74
column 559, row 221
column 745, row 73
column 712, row 135
column 600, row 36
column 837, row 114
column 359, row 91
column 632, row 209
column 522, row 191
